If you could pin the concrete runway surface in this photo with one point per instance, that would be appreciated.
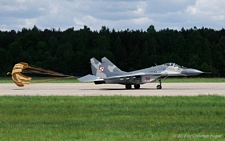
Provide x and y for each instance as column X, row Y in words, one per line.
column 90, row 89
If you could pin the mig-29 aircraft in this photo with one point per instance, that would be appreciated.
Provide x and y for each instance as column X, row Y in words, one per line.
column 108, row 73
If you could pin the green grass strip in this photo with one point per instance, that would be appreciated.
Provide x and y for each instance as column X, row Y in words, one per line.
column 112, row 118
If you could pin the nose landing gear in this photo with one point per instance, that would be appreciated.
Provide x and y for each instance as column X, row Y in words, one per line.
column 160, row 85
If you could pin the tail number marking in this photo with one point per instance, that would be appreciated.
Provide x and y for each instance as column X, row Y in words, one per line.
column 147, row 79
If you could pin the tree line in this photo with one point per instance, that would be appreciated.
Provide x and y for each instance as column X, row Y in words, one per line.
column 69, row 51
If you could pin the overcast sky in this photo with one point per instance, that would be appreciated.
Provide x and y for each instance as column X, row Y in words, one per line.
column 114, row 14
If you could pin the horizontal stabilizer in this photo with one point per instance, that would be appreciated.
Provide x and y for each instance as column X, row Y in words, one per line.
column 89, row 77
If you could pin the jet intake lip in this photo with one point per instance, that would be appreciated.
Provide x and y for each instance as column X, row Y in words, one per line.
column 191, row 72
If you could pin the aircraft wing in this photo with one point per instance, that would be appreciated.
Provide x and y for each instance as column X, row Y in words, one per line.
column 89, row 78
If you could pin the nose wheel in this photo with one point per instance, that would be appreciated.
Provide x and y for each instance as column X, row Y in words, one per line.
column 160, row 85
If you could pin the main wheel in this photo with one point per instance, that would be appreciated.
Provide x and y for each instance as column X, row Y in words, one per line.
column 137, row 86
column 159, row 87
column 128, row 86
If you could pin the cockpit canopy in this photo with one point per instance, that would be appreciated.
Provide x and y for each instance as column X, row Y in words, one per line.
column 172, row 64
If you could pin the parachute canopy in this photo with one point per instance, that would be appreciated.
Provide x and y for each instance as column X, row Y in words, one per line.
column 18, row 78
column 22, row 67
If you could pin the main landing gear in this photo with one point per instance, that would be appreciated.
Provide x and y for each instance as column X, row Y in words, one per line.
column 129, row 86
column 137, row 86
column 160, row 85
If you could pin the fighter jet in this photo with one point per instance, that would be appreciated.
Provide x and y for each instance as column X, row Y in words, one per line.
column 108, row 73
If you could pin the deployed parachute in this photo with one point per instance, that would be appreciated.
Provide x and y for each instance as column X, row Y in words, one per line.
column 18, row 78
column 22, row 67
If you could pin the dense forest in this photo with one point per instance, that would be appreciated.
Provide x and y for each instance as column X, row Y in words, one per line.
column 69, row 51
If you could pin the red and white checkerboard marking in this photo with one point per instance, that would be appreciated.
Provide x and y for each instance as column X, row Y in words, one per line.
column 101, row 69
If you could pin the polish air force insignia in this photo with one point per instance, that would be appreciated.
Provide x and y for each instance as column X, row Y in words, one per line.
column 101, row 69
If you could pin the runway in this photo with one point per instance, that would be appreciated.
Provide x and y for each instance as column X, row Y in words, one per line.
column 90, row 89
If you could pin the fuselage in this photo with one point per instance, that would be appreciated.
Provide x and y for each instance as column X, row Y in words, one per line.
column 150, row 74
column 108, row 73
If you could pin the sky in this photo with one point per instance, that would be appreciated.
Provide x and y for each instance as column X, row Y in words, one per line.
column 114, row 14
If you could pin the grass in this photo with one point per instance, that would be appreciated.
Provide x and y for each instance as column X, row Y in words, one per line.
column 112, row 118
column 74, row 80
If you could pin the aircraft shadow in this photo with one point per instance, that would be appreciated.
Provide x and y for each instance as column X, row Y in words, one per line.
column 122, row 89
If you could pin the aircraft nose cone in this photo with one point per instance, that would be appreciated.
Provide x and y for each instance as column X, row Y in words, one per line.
column 191, row 72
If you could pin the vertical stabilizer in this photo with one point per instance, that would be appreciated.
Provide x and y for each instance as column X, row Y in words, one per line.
column 97, row 69
column 109, row 68
column 110, row 65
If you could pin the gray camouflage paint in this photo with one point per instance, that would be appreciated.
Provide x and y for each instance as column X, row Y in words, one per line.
column 95, row 66
column 109, row 73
